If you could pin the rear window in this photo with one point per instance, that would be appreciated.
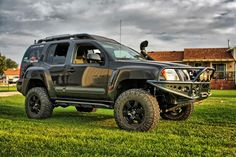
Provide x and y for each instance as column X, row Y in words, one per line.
column 56, row 53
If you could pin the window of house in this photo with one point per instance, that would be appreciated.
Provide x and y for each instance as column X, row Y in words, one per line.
column 56, row 53
column 198, row 64
column 82, row 52
column 220, row 71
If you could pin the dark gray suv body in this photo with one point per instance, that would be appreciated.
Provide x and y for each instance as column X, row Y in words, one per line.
column 90, row 72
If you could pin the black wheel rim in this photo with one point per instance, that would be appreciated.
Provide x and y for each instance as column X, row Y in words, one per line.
column 34, row 104
column 133, row 112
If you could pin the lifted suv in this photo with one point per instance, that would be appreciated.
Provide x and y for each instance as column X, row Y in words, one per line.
column 89, row 72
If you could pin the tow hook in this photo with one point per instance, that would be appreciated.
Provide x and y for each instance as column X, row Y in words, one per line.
column 205, row 94
column 176, row 107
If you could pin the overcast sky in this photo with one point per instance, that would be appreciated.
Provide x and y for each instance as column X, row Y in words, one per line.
column 166, row 24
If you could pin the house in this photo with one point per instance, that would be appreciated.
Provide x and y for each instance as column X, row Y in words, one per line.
column 10, row 74
column 222, row 59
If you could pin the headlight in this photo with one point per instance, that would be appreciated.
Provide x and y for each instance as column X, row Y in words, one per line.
column 169, row 75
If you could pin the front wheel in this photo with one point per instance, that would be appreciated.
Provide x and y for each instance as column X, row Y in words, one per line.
column 136, row 110
column 38, row 104
column 182, row 113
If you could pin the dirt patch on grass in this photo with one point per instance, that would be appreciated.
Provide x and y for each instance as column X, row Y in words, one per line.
column 6, row 94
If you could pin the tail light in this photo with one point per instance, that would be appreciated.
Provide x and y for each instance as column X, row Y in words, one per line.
column 20, row 72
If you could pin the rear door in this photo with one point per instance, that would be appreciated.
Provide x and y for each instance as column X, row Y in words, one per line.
column 56, row 55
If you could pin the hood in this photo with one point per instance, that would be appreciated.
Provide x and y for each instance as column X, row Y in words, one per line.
column 144, row 63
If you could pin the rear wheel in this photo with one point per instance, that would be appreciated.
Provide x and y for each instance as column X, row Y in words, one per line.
column 38, row 104
column 181, row 113
column 136, row 110
column 85, row 109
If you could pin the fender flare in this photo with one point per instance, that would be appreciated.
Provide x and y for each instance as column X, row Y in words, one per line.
column 38, row 73
column 127, row 74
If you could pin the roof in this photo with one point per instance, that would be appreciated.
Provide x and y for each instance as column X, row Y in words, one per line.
column 207, row 54
column 193, row 54
column 174, row 56
column 12, row 72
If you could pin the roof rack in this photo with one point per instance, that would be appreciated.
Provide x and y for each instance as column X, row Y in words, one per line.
column 76, row 37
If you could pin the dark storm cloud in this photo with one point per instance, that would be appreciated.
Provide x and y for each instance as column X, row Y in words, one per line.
column 168, row 25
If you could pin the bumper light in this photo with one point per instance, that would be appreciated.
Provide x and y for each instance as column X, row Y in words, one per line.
column 205, row 76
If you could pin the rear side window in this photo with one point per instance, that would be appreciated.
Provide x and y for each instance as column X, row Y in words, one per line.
column 32, row 55
column 56, row 53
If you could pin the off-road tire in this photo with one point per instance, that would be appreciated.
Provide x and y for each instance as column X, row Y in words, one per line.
column 85, row 109
column 183, row 115
column 46, row 107
column 150, row 107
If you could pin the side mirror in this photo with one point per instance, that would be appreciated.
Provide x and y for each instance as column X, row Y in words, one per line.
column 143, row 45
column 94, row 57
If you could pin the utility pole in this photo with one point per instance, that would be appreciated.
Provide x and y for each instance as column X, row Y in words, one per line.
column 120, row 29
column 120, row 33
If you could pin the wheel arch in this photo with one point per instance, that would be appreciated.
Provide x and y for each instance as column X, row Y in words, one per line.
column 126, row 79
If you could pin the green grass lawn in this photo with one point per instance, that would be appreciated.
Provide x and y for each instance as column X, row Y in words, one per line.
column 7, row 89
column 211, row 131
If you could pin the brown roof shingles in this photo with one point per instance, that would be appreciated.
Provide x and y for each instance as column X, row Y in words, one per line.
column 206, row 53
column 12, row 72
column 174, row 56
column 193, row 54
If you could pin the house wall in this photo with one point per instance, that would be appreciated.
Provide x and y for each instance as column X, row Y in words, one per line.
column 9, row 77
column 204, row 64
column 234, row 55
column 230, row 66
column 220, row 83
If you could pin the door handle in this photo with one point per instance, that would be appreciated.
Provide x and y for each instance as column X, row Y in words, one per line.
column 71, row 70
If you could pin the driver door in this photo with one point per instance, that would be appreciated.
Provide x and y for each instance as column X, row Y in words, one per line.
column 87, row 79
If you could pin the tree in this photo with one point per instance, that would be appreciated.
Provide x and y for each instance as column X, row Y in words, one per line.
column 11, row 64
column 6, row 63
column 2, row 64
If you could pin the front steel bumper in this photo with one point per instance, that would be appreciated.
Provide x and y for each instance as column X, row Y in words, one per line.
column 195, row 89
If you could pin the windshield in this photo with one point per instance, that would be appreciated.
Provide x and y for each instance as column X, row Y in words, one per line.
column 121, row 52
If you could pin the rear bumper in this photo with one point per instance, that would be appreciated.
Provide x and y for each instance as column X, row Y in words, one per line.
column 19, row 86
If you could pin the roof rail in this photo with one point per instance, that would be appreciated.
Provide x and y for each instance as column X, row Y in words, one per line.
column 76, row 36
column 57, row 37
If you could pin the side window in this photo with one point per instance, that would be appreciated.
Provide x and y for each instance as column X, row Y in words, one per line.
column 220, row 72
column 56, row 53
column 81, row 54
